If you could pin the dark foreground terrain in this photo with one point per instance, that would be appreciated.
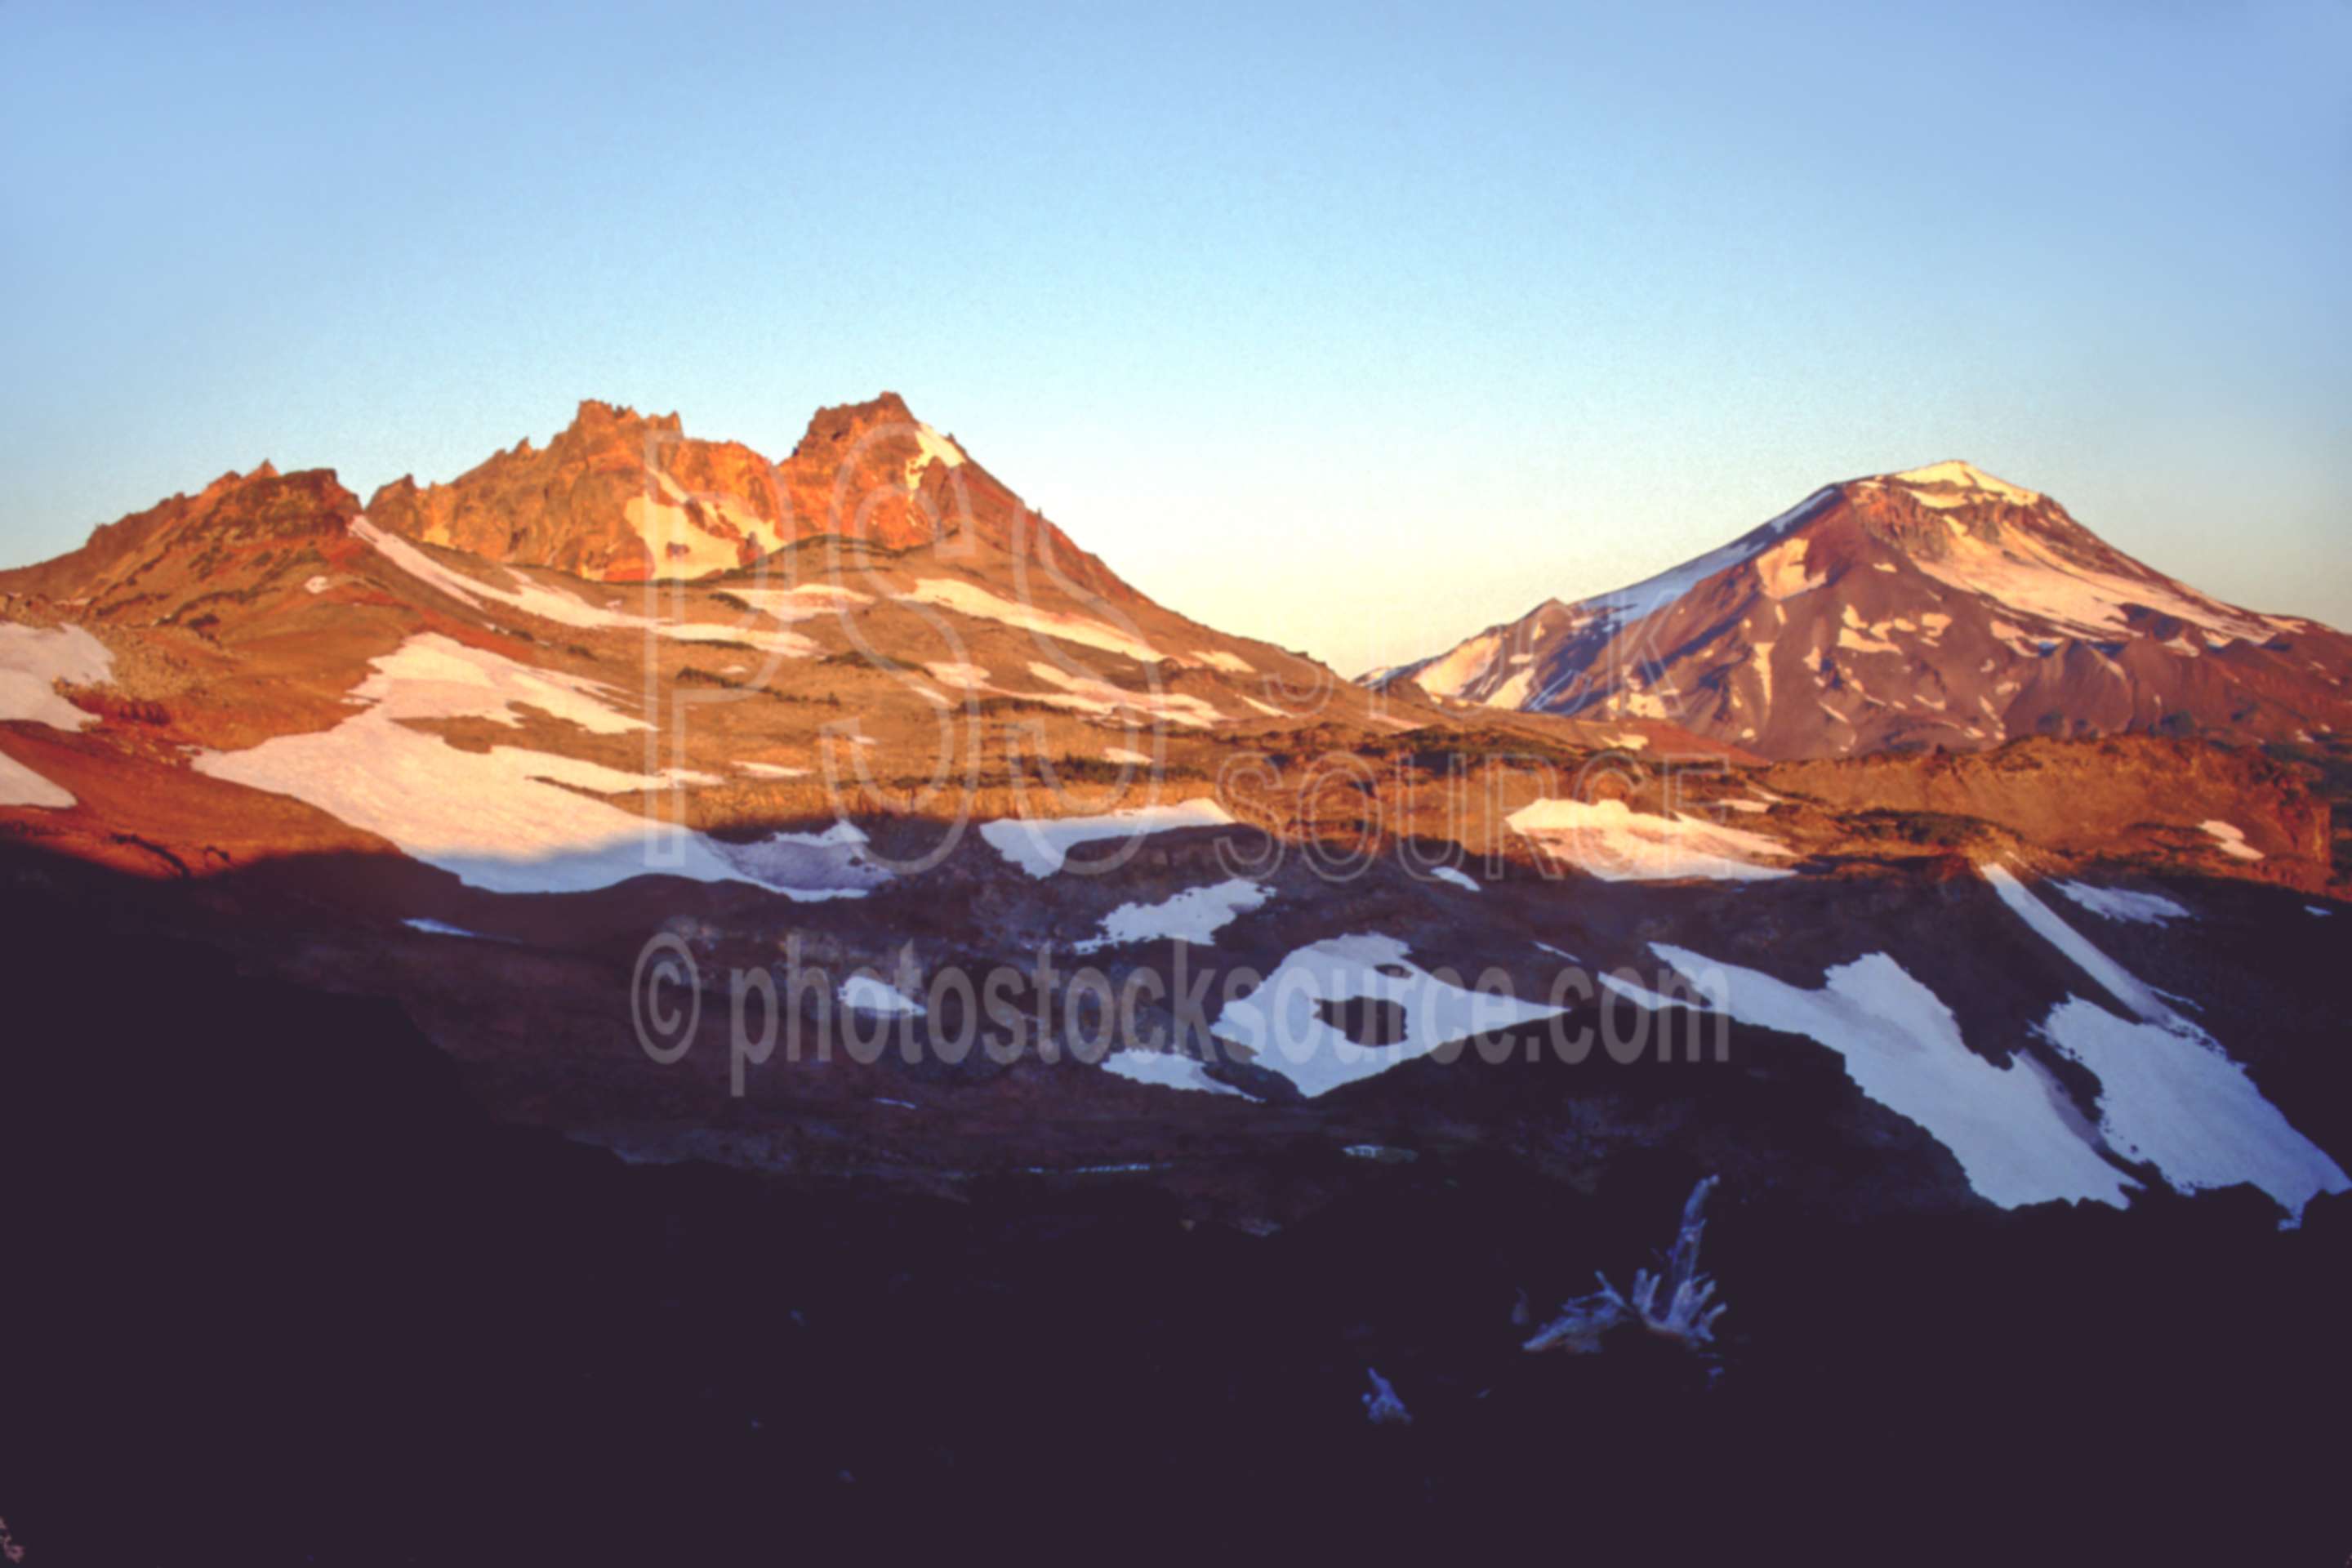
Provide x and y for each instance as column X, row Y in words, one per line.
column 275, row 1295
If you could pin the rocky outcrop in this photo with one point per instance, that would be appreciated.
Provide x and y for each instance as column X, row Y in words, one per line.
column 624, row 497
column 2137, row 794
column 240, row 538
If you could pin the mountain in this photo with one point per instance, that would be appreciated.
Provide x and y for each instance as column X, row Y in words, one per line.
column 1936, row 608
column 400, row 893
column 622, row 496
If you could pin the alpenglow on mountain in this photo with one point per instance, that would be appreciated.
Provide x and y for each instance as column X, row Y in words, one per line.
column 1939, row 607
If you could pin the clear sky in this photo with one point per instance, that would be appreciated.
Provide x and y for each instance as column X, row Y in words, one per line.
column 1358, row 328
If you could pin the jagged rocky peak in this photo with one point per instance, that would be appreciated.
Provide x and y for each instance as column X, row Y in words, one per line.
column 622, row 496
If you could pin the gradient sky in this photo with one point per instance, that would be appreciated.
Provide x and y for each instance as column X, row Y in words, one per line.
column 1358, row 328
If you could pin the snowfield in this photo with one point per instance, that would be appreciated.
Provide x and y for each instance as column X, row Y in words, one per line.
column 1195, row 915
column 2116, row 904
column 1617, row 844
column 868, row 994
column 2010, row 1128
column 1041, row 846
column 500, row 819
column 34, row 659
column 2172, row 1098
column 1166, row 1070
column 549, row 604
column 971, row 599
column 2168, row 1095
column 1283, row 1024
column 32, row 662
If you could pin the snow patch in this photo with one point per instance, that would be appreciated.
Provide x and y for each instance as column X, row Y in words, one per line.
column 1617, row 844
column 1457, row 876
column 501, row 819
column 2232, row 839
column 1040, row 845
column 1195, row 915
column 2169, row 1097
column 2119, row 982
column 1166, row 1070
column 971, row 599
column 1281, row 1021
column 1231, row 663
column 2016, row 1139
column 867, row 994
column 1782, row 571
column 33, row 659
column 20, row 785
column 1955, row 475
column 2116, row 904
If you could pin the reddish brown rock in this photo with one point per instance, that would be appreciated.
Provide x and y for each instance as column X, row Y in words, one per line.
column 621, row 497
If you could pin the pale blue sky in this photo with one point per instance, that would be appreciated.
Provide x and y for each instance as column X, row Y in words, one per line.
column 1355, row 327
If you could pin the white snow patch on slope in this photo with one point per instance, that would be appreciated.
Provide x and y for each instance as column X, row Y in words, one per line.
column 970, row 599
column 2321, row 910
column 1282, row 1022
column 1126, row 754
column 1619, row 845
column 1655, row 593
column 532, row 599
column 930, row 446
column 1088, row 694
column 1164, row 1069
column 2118, row 981
column 1759, row 659
column 1954, row 474
column 20, row 785
column 1194, row 915
column 2009, row 1127
column 1514, row 691
column 524, row 594
column 2116, row 904
column 442, row 928
column 32, row 662
column 867, row 994
column 802, row 602
column 1457, row 876
column 785, row 645
column 2172, row 1098
column 2233, row 840
column 500, row 819
column 2023, row 572
column 772, row 770
column 2168, row 1094
column 1783, row 573
column 33, row 659
column 1231, row 663
column 1462, row 666
column 1040, row 845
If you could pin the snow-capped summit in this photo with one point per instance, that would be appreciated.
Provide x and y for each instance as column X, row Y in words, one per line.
column 1937, row 606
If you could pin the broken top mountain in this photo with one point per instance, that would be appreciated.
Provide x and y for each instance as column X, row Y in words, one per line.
column 621, row 497
column 1937, row 608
